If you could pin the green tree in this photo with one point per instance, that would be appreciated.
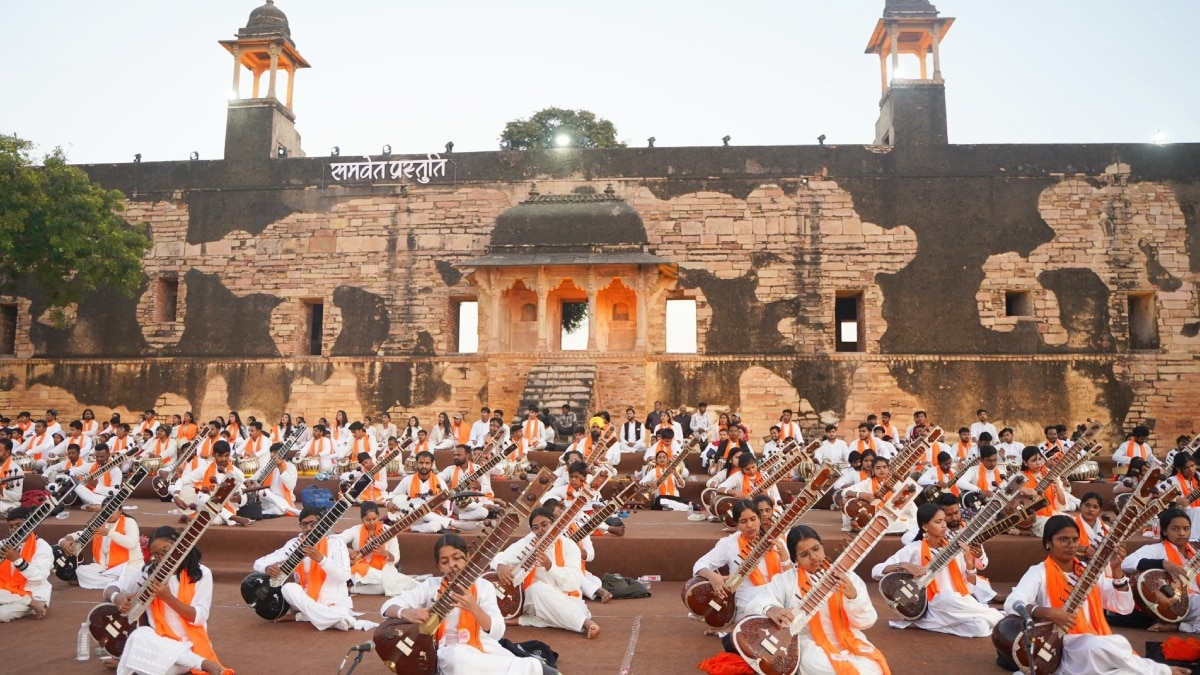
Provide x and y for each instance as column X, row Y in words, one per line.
column 581, row 128
column 59, row 231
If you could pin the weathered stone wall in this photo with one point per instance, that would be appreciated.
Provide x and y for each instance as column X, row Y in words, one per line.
column 765, row 239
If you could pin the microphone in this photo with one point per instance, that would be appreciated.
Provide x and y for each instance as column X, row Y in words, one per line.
column 1023, row 612
column 364, row 647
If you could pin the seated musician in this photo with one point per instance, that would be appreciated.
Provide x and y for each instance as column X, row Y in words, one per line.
column 373, row 572
column 577, row 479
column 1181, row 444
column 24, row 573
column 951, row 606
column 422, row 485
column 866, row 441
column 833, row 641
column 517, row 455
column 591, row 587
column 940, row 475
column 1184, row 477
column 1091, row 528
column 10, row 492
column 711, row 457
column 1090, row 647
column 1033, row 464
column 176, row 639
column 881, row 472
column 1136, row 446
column 858, row 471
column 73, row 460
column 92, row 494
column 197, row 485
column 1133, row 475
column 1170, row 555
column 667, row 442
column 162, row 446
column 279, row 497
column 985, row 476
column 115, row 546
column 965, row 448
column 377, row 490
column 729, row 552
column 469, row 508
column 553, row 597
column 319, row 595
column 668, row 493
column 742, row 483
column 885, row 444
column 1010, row 450
column 981, row 586
column 468, row 638
column 767, row 511
column 319, row 447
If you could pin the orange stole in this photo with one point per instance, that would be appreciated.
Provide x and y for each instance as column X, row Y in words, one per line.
column 376, row 559
column 1091, row 622
column 956, row 575
column 466, row 620
column 771, row 559
column 558, row 560
column 1186, row 486
column 314, row 577
column 1051, row 494
column 942, row 479
column 11, row 578
column 117, row 554
column 841, row 628
column 197, row 635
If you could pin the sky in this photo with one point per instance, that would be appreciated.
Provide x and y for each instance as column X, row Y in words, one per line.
column 107, row 80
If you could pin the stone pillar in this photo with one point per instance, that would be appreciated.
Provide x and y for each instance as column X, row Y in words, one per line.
column 894, row 40
column 237, row 72
column 273, row 50
column 937, row 59
column 593, row 325
column 543, row 343
column 291, row 71
column 640, row 289
column 490, row 334
column 257, row 78
column 923, row 70
column 883, row 78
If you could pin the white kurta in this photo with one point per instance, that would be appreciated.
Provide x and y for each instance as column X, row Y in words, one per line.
column 148, row 653
column 736, row 481
column 37, row 582
column 333, row 607
column 459, row 658
column 946, row 612
column 908, row 515
column 727, row 554
column 1088, row 654
column 375, row 581
column 97, row 575
column 1191, row 622
column 547, row 603
column 784, row 591
column 432, row 522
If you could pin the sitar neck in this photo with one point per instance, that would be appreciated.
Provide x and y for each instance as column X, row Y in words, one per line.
column 269, row 466
column 110, row 507
column 800, row 505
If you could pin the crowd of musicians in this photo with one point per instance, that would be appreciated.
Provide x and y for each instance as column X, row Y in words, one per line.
column 919, row 484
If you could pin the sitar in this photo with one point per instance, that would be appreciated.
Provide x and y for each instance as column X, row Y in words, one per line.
column 408, row 519
column 1045, row 639
column 65, row 484
column 263, row 592
column 108, row 624
column 906, row 593
column 860, row 511
column 932, row 492
column 412, row 648
column 510, row 598
column 723, row 504
column 633, row 489
column 698, row 593
column 1162, row 595
column 771, row 650
column 67, row 561
column 162, row 482
column 16, row 539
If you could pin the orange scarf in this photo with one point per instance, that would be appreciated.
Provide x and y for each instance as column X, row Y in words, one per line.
column 665, row 487
column 558, row 560
column 117, row 554
column 870, row 443
column 314, row 449
column 462, row 432
column 942, row 478
column 748, row 484
column 841, row 629
column 206, row 449
column 376, row 558
column 1131, row 446
column 1187, row 486
column 235, row 430
column 159, row 445
column 88, row 425
column 251, row 447
column 466, row 620
column 963, row 449
column 11, row 578
column 118, row 444
column 196, row 634
column 771, row 559
column 187, row 431
column 665, row 446
column 364, row 445
column 414, row 487
column 1051, row 494
column 287, row 494
column 983, row 481
column 533, row 429
column 68, row 464
column 1084, row 539
column 33, row 445
column 956, row 575
column 785, row 430
column 1058, row 588
column 107, row 477
column 519, row 452
column 310, row 573
column 459, row 472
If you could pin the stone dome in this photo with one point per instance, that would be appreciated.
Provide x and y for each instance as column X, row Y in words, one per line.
column 574, row 220
column 267, row 20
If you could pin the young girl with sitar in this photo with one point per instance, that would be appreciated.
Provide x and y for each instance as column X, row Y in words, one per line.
column 729, row 551
column 469, row 637
column 951, row 606
column 1033, row 464
column 1090, row 647
column 1184, row 476
column 176, row 639
column 833, row 643
column 1164, row 563
column 1091, row 528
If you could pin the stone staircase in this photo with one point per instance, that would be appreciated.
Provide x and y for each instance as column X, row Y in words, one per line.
column 550, row 385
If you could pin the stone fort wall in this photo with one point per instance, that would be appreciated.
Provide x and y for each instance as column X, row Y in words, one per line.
column 765, row 239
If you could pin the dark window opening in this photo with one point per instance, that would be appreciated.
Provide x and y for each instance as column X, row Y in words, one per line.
column 8, row 330
column 166, row 307
column 1018, row 303
column 1143, row 322
column 847, row 317
column 313, row 315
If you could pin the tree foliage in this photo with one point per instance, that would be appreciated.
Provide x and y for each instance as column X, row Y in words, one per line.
column 59, row 231
column 584, row 129
column 573, row 316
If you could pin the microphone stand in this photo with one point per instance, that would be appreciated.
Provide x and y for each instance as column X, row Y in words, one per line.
column 358, row 655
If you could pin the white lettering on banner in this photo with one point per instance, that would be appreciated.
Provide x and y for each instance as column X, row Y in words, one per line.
column 422, row 170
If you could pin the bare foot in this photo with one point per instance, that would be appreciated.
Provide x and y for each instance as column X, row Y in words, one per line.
column 241, row 520
column 590, row 629
column 108, row 662
column 39, row 608
column 714, row 631
column 1160, row 627
column 511, row 622
column 93, row 508
column 286, row 617
column 603, row 595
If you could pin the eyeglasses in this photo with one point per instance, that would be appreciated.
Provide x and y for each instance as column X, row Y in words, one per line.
column 308, row 524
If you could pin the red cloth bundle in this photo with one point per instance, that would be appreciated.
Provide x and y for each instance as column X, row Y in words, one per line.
column 1177, row 648
column 726, row 664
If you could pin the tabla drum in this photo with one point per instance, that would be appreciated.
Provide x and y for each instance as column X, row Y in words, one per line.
column 1086, row 472
column 344, row 466
column 309, row 466
column 248, row 466
column 393, row 467
column 23, row 462
column 152, row 463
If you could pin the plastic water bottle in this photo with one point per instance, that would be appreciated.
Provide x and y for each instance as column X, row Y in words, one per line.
column 83, row 645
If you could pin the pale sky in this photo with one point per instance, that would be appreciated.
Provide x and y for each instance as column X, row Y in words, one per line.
column 107, row 79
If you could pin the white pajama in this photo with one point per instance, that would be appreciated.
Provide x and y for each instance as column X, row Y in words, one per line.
column 333, row 607
column 946, row 612
column 727, row 553
column 148, row 653
column 547, row 603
